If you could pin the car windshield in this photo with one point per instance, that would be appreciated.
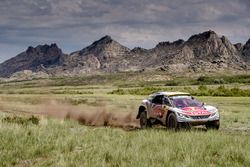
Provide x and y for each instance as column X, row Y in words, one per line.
column 185, row 101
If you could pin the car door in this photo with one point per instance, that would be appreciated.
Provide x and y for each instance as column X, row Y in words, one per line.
column 165, row 105
column 156, row 110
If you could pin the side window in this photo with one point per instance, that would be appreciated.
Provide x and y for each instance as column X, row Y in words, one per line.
column 166, row 101
column 157, row 99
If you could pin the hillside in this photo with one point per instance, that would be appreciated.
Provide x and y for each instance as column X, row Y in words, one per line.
column 204, row 52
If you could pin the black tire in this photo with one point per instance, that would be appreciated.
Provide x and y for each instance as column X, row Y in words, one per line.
column 149, row 124
column 213, row 125
column 184, row 126
column 172, row 122
column 144, row 122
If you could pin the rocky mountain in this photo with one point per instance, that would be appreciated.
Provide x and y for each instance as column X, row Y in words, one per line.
column 246, row 50
column 104, row 55
column 206, row 51
column 35, row 59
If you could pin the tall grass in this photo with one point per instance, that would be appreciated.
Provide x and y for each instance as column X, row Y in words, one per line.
column 57, row 143
column 130, row 79
column 28, row 141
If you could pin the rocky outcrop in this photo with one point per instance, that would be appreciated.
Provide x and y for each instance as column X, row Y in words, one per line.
column 104, row 55
column 34, row 59
column 238, row 46
column 213, row 53
column 246, row 50
column 201, row 52
column 206, row 51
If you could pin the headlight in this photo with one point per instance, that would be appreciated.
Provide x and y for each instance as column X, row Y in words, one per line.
column 182, row 115
column 216, row 113
column 213, row 114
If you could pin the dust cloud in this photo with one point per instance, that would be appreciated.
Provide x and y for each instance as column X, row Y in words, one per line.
column 91, row 116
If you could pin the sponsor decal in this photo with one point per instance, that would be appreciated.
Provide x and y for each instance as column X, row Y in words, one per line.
column 158, row 111
column 195, row 111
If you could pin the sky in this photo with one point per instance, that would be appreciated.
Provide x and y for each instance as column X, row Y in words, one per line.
column 75, row 24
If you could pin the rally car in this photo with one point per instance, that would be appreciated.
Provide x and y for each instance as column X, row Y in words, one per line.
column 176, row 110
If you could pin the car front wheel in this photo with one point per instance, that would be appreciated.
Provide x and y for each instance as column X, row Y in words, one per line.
column 172, row 122
column 213, row 125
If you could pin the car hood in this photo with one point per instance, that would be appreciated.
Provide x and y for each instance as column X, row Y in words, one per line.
column 195, row 111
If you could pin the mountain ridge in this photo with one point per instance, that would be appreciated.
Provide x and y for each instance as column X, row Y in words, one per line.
column 205, row 51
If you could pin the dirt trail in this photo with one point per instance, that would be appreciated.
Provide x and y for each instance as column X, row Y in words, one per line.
column 97, row 116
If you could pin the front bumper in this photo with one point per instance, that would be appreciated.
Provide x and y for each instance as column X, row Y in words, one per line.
column 197, row 119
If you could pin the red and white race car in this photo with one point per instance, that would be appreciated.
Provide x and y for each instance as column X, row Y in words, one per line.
column 175, row 110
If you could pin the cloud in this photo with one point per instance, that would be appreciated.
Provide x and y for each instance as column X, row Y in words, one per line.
column 74, row 24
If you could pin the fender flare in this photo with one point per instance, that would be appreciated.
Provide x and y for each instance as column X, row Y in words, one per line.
column 169, row 112
column 141, row 109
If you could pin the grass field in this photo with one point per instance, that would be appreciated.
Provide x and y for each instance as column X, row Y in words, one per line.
column 48, row 141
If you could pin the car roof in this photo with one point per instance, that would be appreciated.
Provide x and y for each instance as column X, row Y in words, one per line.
column 170, row 93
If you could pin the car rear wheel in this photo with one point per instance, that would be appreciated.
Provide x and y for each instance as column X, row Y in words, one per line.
column 144, row 122
column 172, row 122
column 213, row 125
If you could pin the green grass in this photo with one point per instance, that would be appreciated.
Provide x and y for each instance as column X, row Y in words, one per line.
column 210, row 80
column 53, row 142
column 21, row 120
column 42, row 141
column 201, row 91
column 232, row 109
column 67, row 143
column 132, row 79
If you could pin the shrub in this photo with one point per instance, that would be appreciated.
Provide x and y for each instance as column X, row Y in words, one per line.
column 202, row 87
column 70, row 92
column 218, row 81
column 118, row 92
column 202, row 90
column 202, row 79
column 76, row 101
column 21, row 120
column 172, row 83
